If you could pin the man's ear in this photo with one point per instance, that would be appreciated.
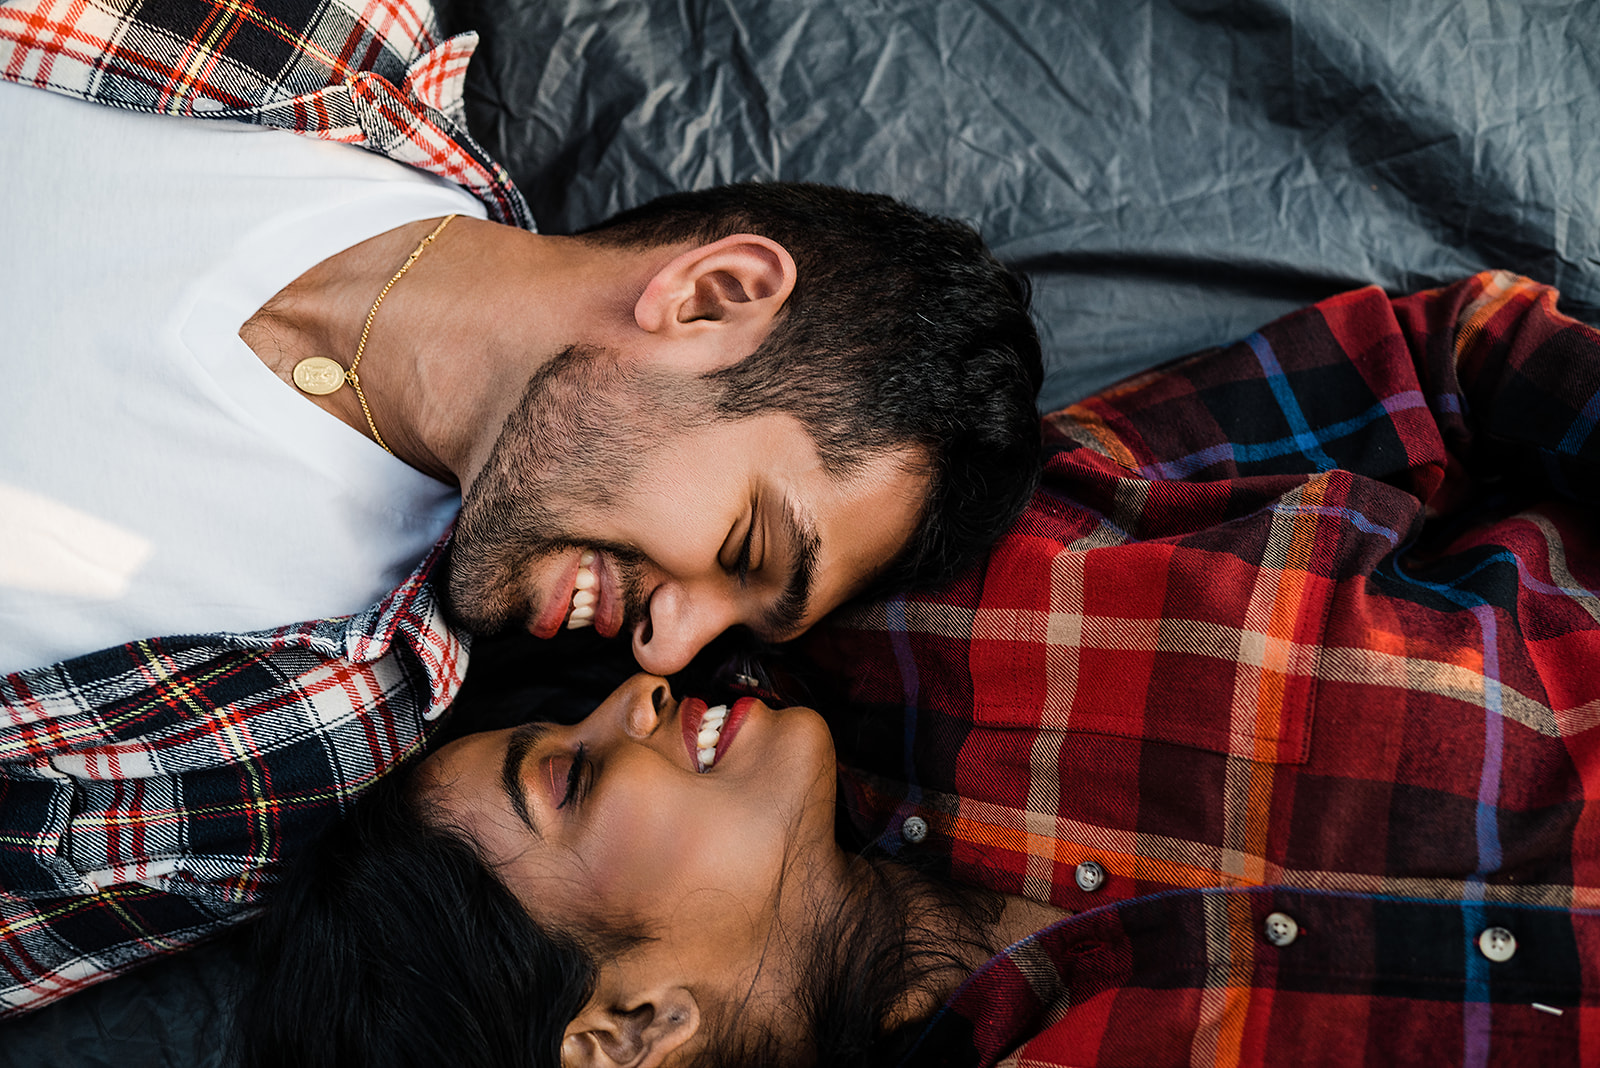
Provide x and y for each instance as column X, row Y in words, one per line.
column 638, row 1036
column 739, row 280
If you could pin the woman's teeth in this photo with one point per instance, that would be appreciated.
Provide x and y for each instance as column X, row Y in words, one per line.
column 582, row 614
column 710, row 731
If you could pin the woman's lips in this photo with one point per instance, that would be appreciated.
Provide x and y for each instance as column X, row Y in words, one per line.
column 690, row 712
column 736, row 716
column 698, row 723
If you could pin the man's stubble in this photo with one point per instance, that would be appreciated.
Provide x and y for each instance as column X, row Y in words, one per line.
column 567, row 454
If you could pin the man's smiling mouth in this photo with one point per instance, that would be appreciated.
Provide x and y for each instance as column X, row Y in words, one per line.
column 584, row 593
column 584, row 596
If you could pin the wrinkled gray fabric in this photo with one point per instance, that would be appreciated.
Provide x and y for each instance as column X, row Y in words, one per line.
column 171, row 1014
column 1172, row 175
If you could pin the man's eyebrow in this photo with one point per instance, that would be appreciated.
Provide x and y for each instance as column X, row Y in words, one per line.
column 521, row 742
column 786, row 615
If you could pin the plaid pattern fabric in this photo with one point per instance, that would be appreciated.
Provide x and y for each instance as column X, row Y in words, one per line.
column 1187, row 978
column 148, row 791
column 1307, row 624
column 372, row 74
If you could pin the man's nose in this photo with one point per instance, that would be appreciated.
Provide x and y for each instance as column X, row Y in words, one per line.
column 680, row 623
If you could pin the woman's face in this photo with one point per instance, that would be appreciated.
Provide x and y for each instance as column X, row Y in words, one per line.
column 646, row 815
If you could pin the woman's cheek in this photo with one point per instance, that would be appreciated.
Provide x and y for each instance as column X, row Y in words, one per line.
column 641, row 852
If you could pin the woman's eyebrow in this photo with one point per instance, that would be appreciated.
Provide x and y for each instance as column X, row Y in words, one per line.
column 521, row 742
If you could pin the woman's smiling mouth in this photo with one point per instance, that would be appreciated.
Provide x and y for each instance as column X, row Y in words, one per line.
column 708, row 732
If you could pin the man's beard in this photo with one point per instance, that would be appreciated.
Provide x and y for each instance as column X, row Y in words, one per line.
column 571, row 449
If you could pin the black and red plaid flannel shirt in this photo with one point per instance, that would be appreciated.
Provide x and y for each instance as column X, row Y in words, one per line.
column 370, row 73
column 1303, row 627
column 147, row 791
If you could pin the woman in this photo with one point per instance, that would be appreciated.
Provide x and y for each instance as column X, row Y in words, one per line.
column 657, row 884
column 662, row 884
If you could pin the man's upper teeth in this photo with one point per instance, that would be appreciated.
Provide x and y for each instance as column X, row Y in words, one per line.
column 710, row 731
column 582, row 614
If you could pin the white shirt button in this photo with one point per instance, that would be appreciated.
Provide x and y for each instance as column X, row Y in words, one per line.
column 1498, row 944
column 914, row 829
column 1281, row 929
column 1089, row 876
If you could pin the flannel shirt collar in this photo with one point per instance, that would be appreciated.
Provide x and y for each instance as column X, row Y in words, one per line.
column 373, row 75
column 412, row 611
column 411, row 615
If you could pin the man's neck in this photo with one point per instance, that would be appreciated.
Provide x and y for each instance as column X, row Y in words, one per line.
column 475, row 315
column 322, row 313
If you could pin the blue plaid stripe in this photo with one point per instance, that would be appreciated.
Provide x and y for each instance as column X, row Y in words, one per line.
column 1305, row 439
column 1582, row 427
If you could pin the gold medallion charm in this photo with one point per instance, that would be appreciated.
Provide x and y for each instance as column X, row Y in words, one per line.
column 318, row 376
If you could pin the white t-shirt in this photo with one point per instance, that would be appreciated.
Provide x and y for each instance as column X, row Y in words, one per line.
column 155, row 477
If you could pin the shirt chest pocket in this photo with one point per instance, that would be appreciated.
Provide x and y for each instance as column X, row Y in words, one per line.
column 1152, row 641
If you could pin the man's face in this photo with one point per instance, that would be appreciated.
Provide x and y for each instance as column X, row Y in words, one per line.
column 612, row 498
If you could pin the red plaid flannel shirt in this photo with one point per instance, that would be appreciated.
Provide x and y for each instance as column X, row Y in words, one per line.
column 1303, row 627
column 371, row 73
column 147, row 791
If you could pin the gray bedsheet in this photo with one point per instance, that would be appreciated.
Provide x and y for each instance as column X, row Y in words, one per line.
column 1170, row 174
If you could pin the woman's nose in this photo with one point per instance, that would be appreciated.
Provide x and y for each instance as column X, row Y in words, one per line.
column 647, row 699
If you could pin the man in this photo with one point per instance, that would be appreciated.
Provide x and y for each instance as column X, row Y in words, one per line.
column 737, row 407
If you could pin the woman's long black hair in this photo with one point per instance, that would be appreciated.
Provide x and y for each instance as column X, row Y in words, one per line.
column 390, row 943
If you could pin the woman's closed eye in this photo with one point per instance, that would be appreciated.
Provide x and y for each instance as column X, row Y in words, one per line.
column 579, row 776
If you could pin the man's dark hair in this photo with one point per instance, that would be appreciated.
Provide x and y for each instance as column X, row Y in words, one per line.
column 902, row 329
